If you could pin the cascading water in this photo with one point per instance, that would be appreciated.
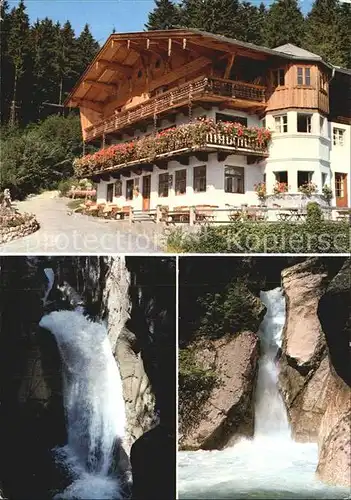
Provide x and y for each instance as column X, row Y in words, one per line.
column 93, row 401
column 271, row 465
column 270, row 412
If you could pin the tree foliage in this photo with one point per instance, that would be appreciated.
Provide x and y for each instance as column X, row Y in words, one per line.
column 164, row 16
column 284, row 23
column 325, row 31
column 40, row 64
column 39, row 156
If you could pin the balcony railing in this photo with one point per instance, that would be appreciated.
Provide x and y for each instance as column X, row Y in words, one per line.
column 177, row 97
column 185, row 139
column 242, row 144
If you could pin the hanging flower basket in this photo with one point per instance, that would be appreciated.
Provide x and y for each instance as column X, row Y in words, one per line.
column 186, row 136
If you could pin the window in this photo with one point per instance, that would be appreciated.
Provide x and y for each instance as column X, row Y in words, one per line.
column 304, row 76
column 200, row 179
column 180, row 181
column 281, row 177
column 234, row 180
column 324, row 179
column 220, row 117
column 263, row 123
column 278, row 77
column 304, row 123
column 163, row 185
column 338, row 136
column 281, row 123
column 118, row 188
column 109, row 193
column 303, row 178
column 129, row 189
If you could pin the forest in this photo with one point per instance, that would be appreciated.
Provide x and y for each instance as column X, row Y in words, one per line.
column 42, row 61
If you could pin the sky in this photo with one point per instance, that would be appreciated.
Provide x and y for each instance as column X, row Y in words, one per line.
column 102, row 15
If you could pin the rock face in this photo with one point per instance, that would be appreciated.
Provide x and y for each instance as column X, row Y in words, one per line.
column 335, row 431
column 228, row 412
column 138, row 396
column 334, row 465
column 304, row 366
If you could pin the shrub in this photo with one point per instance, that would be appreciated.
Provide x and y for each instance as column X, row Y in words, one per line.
column 65, row 185
column 279, row 237
column 235, row 309
column 314, row 213
column 327, row 193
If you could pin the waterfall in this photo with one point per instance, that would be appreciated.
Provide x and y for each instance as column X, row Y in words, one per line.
column 270, row 412
column 271, row 465
column 93, row 401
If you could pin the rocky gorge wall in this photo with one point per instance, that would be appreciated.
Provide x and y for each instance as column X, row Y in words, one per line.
column 31, row 409
column 315, row 364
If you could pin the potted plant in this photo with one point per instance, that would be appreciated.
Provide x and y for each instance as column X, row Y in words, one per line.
column 308, row 188
column 261, row 192
column 327, row 193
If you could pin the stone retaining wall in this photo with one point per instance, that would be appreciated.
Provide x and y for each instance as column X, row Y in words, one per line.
column 11, row 233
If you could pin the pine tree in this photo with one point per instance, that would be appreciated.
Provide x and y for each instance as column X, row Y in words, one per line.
column 192, row 14
column 250, row 22
column 6, row 66
column 284, row 23
column 68, row 61
column 221, row 17
column 19, row 54
column 87, row 48
column 46, row 74
column 344, row 30
column 322, row 34
column 164, row 16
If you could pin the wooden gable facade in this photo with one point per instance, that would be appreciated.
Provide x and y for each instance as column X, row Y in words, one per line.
column 138, row 77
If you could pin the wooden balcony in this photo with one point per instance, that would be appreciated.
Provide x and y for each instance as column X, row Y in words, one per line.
column 159, row 149
column 215, row 90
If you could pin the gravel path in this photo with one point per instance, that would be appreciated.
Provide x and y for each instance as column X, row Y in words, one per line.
column 62, row 231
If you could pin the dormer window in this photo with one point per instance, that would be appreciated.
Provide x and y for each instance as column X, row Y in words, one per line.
column 304, row 76
column 278, row 77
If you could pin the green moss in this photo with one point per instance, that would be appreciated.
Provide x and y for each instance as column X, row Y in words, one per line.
column 195, row 386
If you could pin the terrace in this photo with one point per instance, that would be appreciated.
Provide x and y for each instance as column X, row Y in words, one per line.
column 214, row 90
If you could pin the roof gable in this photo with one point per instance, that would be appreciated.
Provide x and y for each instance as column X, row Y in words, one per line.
column 293, row 50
